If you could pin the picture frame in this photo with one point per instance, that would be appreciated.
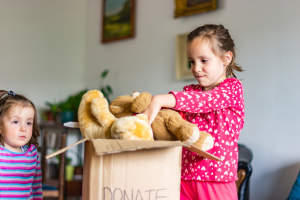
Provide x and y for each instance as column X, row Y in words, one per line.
column 191, row 7
column 183, row 66
column 118, row 20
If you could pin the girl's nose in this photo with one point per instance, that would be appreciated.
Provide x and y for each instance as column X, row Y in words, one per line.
column 23, row 128
column 197, row 67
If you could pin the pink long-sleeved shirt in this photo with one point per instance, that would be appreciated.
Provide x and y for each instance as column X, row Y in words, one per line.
column 219, row 112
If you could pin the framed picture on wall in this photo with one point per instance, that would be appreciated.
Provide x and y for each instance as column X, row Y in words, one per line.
column 191, row 7
column 183, row 66
column 118, row 20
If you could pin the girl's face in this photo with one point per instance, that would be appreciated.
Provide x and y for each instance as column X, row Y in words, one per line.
column 17, row 127
column 208, row 69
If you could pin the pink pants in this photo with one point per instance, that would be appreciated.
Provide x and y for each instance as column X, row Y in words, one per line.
column 198, row 190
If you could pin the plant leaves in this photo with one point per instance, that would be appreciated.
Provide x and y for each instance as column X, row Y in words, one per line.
column 48, row 104
column 104, row 92
column 104, row 73
column 109, row 89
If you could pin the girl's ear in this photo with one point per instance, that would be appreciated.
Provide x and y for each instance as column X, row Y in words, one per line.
column 227, row 58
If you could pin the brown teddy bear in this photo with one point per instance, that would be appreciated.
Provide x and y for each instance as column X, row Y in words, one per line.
column 168, row 124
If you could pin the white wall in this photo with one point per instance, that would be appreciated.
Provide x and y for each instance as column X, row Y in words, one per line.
column 266, row 34
column 42, row 48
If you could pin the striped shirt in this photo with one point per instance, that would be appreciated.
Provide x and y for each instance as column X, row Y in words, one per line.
column 20, row 174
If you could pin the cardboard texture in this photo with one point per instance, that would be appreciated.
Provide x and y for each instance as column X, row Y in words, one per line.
column 150, row 173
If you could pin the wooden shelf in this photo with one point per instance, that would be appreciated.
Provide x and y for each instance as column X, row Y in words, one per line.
column 74, row 188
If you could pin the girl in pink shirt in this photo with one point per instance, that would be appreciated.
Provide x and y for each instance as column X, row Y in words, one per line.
column 216, row 106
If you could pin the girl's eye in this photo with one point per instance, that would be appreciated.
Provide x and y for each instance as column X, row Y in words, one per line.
column 192, row 62
column 15, row 122
column 29, row 123
column 204, row 61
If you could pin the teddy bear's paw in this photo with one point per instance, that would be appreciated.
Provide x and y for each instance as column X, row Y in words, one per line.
column 131, row 128
column 158, row 127
column 189, row 133
column 99, row 108
column 205, row 142
column 160, row 130
column 140, row 102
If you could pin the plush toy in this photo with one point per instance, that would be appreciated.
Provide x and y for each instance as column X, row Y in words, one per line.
column 96, row 121
column 99, row 120
column 168, row 124
column 94, row 118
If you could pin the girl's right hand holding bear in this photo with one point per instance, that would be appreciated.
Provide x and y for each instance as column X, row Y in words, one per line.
column 157, row 102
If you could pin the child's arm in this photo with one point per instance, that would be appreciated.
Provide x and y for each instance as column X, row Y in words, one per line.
column 158, row 101
column 229, row 94
column 37, row 182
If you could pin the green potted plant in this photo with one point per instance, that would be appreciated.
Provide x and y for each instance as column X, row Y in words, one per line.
column 67, row 112
column 51, row 113
column 69, row 108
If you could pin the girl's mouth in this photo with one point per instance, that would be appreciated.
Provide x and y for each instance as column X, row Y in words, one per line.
column 23, row 137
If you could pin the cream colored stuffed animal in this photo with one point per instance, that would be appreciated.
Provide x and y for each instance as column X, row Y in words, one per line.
column 132, row 128
column 96, row 121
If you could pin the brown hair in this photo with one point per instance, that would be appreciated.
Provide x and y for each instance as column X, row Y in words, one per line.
column 220, row 41
column 9, row 99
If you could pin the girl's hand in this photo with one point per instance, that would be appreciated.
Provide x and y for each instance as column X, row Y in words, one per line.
column 158, row 101
column 152, row 110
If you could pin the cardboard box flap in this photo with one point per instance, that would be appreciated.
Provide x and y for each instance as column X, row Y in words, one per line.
column 103, row 147
column 201, row 152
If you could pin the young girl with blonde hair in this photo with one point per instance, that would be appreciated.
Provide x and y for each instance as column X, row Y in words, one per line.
column 20, row 171
column 215, row 105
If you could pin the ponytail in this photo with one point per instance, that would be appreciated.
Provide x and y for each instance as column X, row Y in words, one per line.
column 232, row 66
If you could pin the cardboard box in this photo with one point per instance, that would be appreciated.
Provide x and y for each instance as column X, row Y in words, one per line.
column 120, row 169
column 132, row 169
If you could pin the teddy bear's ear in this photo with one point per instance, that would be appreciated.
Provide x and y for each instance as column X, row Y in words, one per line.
column 141, row 102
